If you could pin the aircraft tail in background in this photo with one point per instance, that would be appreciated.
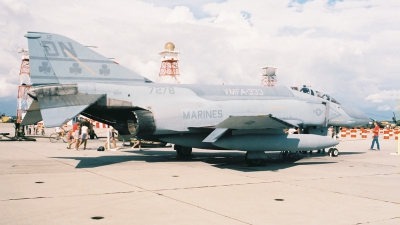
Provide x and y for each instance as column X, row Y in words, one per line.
column 55, row 59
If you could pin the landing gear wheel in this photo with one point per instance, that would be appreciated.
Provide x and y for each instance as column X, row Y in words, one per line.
column 334, row 152
column 183, row 151
column 253, row 162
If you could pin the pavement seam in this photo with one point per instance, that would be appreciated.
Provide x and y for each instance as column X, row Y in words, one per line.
column 394, row 218
column 337, row 192
column 67, row 196
column 154, row 192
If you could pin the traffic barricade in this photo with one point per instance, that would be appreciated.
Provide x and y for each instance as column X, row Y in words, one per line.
column 364, row 133
column 353, row 133
column 343, row 132
column 348, row 131
column 386, row 134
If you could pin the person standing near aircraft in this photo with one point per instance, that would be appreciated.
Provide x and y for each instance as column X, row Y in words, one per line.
column 75, row 131
column 375, row 137
column 113, row 135
column 78, row 133
column 84, row 136
column 70, row 138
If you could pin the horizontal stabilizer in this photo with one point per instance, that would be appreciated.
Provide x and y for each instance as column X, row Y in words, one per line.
column 57, row 104
column 57, row 110
column 56, row 117
column 217, row 133
column 33, row 114
column 255, row 122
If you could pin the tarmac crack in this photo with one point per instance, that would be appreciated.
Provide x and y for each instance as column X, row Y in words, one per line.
column 383, row 220
column 215, row 186
column 341, row 193
column 159, row 194
column 68, row 196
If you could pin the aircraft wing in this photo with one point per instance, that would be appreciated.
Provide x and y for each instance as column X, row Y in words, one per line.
column 257, row 122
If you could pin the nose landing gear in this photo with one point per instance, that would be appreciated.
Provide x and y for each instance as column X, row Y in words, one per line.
column 333, row 152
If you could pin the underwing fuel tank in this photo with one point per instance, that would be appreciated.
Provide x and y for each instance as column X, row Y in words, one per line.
column 278, row 142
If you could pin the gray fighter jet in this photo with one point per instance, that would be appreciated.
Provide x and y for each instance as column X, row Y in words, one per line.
column 70, row 79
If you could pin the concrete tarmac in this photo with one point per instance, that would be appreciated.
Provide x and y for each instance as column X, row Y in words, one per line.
column 45, row 183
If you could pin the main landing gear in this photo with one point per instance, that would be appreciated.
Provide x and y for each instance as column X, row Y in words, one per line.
column 255, row 158
column 333, row 152
column 182, row 151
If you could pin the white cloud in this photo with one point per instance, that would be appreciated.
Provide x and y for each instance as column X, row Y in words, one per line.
column 17, row 7
column 180, row 14
column 384, row 95
column 8, row 89
column 384, row 108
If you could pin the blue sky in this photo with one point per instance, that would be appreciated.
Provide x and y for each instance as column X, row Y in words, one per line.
column 349, row 49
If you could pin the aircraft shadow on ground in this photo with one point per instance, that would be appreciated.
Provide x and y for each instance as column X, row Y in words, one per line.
column 223, row 160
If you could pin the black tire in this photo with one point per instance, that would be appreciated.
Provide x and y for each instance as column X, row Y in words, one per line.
column 253, row 162
column 335, row 152
column 183, row 151
column 53, row 138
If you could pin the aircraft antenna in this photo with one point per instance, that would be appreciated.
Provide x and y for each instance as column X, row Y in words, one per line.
column 269, row 76
column 23, row 100
column 169, row 70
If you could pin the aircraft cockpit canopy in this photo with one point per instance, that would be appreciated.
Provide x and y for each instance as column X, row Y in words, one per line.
column 307, row 90
column 319, row 94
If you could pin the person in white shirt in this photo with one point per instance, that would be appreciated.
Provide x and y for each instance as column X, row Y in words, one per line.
column 84, row 136
column 60, row 131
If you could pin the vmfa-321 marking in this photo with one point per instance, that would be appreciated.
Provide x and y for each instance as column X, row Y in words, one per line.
column 70, row 79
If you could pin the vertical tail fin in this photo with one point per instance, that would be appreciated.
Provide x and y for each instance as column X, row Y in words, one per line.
column 55, row 59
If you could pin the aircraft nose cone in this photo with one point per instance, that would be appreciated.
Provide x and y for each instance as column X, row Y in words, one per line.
column 357, row 117
column 333, row 142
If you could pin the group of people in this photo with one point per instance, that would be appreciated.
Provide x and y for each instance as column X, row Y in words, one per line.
column 113, row 139
column 35, row 129
column 79, row 135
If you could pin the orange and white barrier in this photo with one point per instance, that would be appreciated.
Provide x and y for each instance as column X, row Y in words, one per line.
column 343, row 132
column 353, row 133
column 386, row 134
column 364, row 133
column 100, row 125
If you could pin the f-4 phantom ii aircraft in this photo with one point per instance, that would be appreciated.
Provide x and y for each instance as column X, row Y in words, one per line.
column 70, row 79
